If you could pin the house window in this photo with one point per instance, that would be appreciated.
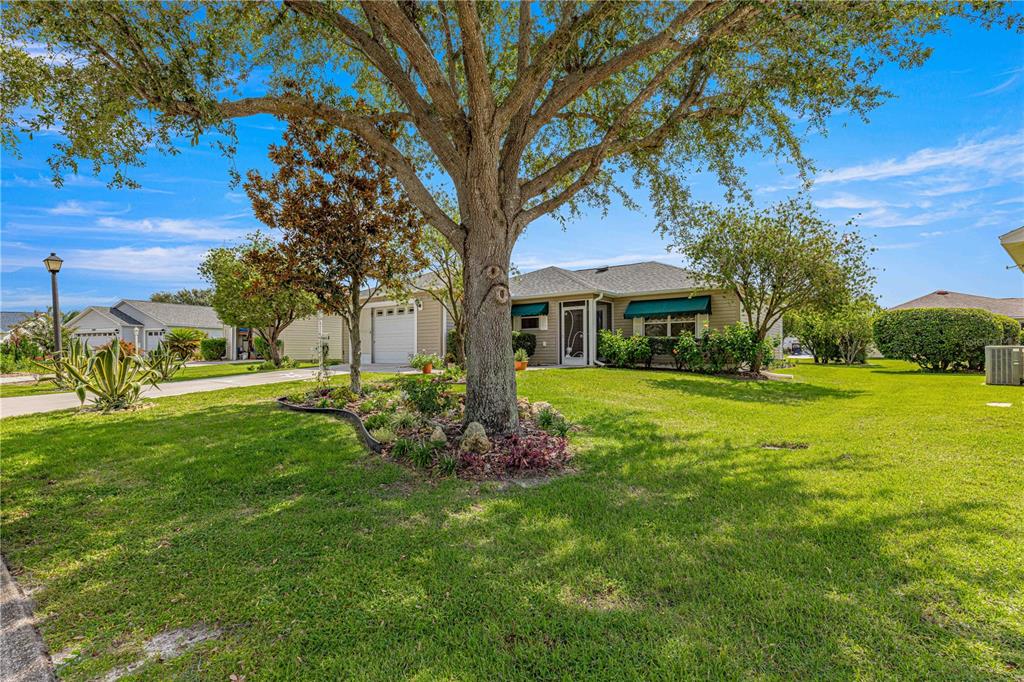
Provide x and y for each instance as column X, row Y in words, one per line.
column 529, row 322
column 672, row 325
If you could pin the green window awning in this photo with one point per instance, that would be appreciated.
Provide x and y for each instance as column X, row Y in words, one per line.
column 529, row 309
column 669, row 306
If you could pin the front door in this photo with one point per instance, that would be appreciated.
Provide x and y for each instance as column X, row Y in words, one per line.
column 574, row 335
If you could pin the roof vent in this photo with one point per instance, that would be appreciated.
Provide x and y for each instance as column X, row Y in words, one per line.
column 942, row 292
column 603, row 268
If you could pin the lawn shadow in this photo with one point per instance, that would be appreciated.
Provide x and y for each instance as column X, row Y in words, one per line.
column 778, row 392
column 666, row 550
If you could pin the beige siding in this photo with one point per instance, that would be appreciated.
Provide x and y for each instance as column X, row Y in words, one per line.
column 429, row 325
column 300, row 338
column 725, row 309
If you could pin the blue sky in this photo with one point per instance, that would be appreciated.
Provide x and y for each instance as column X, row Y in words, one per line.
column 936, row 176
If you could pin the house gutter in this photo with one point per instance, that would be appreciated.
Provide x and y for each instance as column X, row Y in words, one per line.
column 595, row 302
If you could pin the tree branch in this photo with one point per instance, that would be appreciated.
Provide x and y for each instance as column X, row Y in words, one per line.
column 474, row 59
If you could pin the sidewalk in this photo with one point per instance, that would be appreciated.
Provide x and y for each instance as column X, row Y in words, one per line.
column 50, row 402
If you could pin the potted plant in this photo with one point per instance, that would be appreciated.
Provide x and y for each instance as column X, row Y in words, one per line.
column 424, row 362
column 521, row 358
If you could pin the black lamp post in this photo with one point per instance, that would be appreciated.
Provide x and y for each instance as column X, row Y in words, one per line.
column 53, row 263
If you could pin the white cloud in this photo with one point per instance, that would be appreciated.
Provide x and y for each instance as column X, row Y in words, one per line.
column 1015, row 76
column 176, row 228
column 885, row 217
column 1002, row 155
column 155, row 263
column 39, row 299
column 899, row 246
column 86, row 208
column 850, row 201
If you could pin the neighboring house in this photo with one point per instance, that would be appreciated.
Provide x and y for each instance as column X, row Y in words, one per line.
column 1013, row 242
column 144, row 323
column 1011, row 307
column 9, row 320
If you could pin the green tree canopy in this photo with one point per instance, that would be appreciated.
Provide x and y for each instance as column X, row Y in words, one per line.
column 774, row 260
column 183, row 296
column 250, row 291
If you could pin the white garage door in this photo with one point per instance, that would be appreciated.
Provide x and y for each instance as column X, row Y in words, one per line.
column 394, row 332
column 96, row 339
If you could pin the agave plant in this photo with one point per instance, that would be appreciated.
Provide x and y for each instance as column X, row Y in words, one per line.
column 184, row 341
column 113, row 377
column 76, row 354
column 163, row 362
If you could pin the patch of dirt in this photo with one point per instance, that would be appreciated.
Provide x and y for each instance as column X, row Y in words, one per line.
column 607, row 598
column 165, row 646
column 784, row 445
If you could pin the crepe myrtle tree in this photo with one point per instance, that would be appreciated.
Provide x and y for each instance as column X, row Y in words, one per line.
column 249, row 289
column 521, row 109
column 781, row 258
column 348, row 229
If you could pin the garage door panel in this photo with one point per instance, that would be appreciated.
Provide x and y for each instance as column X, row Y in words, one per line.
column 394, row 332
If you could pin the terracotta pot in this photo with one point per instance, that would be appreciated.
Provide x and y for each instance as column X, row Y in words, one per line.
column 428, row 368
column 520, row 366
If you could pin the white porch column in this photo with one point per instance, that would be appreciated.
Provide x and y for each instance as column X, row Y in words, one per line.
column 591, row 331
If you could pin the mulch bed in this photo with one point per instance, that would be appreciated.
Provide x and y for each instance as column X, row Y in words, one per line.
column 418, row 421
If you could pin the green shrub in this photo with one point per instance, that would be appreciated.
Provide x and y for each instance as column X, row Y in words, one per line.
column 1011, row 329
column 429, row 397
column 404, row 420
column 381, row 420
column 524, row 340
column 402, row 448
column 114, row 378
column 422, row 454
column 623, row 351
column 686, row 353
column 521, row 355
column 453, row 372
column 448, row 465
column 551, row 421
column 938, row 338
column 6, row 363
column 213, row 349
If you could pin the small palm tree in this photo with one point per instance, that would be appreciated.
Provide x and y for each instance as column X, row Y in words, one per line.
column 184, row 341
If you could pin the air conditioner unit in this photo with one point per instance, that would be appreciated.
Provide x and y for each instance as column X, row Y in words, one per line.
column 1004, row 365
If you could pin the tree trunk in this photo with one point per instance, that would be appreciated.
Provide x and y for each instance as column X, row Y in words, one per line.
column 355, row 380
column 490, row 373
column 270, row 336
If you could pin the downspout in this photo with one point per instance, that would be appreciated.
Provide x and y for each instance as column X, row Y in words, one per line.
column 595, row 302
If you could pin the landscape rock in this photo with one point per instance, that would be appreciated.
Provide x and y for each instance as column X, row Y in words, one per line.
column 539, row 406
column 474, row 439
column 438, row 436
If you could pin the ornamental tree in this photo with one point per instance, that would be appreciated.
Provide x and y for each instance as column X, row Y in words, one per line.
column 349, row 230
column 183, row 296
column 774, row 260
column 250, row 291
column 521, row 109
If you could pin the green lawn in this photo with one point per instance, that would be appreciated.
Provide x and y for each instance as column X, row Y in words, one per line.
column 892, row 547
column 191, row 372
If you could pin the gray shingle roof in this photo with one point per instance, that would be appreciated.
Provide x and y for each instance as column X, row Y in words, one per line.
column 10, row 319
column 178, row 315
column 123, row 316
column 616, row 280
column 1011, row 307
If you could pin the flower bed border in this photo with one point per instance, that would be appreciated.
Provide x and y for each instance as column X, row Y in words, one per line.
column 349, row 416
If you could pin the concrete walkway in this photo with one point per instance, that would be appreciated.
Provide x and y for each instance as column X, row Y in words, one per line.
column 50, row 402
column 23, row 656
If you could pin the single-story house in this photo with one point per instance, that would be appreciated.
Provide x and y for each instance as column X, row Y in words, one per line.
column 11, row 319
column 563, row 308
column 1013, row 242
column 1011, row 307
column 144, row 323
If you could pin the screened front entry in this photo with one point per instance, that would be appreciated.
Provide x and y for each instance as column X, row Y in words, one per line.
column 574, row 334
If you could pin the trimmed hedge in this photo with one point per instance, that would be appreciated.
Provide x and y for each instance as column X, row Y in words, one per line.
column 213, row 349
column 524, row 340
column 942, row 338
column 715, row 351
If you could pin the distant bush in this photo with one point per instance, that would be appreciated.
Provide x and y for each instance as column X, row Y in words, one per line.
column 623, row 351
column 939, row 339
column 213, row 349
column 524, row 340
column 262, row 348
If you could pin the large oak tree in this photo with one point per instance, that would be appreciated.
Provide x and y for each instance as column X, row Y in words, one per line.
column 522, row 109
